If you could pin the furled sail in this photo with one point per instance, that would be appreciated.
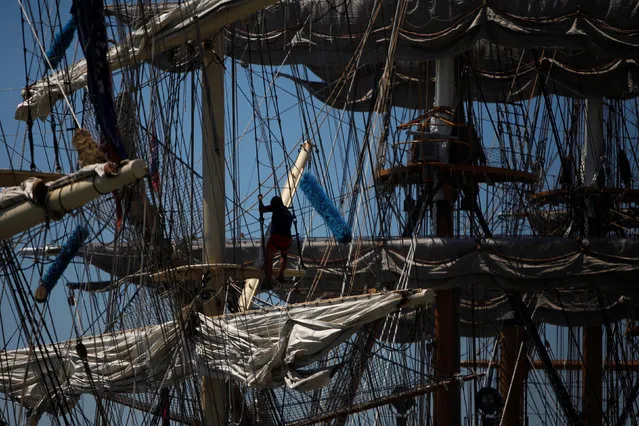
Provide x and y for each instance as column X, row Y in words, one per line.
column 433, row 29
column 173, row 27
column 588, row 48
column 22, row 208
column 564, row 270
column 515, row 78
column 515, row 264
column 261, row 349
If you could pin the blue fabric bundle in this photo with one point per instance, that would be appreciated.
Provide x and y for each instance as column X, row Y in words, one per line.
column 92, row 34
column 61, row 43
column 57, row 268
column 325, row 207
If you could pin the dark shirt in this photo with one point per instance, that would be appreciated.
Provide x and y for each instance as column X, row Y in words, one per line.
column 281, row 222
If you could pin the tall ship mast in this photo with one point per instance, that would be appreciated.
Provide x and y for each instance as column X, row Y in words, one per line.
column 460, row 177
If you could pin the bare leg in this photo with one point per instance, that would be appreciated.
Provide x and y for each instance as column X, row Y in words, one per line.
column 283, row 259
column 268, row 264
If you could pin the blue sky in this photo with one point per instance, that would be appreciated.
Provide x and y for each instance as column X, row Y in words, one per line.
column 12, row 70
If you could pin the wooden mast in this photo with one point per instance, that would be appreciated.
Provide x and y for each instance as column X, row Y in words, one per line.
column 514, row 367
column 447, row 401
column 591, row 169
column 592, row 376
column 214, row 399
column 295, row 174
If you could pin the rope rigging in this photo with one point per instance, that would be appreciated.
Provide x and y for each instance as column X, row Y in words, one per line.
column 379, row 369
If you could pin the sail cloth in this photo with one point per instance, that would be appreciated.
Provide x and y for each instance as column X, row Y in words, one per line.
column 521, row 264
column 587, row 49
column 173, row 27
column 435, row 29
column 516, row 78
column 484, row 311
column 262, row 349
column 549, row 265
column 595, row 41
column 17, row 194
column 51, row 378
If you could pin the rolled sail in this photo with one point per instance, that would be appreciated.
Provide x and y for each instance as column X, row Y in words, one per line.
column 563, row 276
column 170, row 28
column 261, row 349
column 587, row 48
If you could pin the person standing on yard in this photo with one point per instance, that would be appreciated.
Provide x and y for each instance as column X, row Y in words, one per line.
column 280, row 239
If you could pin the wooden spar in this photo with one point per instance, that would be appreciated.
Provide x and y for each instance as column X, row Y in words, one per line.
column 410, row 393
column 295, row 174
column 559, row 364
column 514, row 363
column 10, row 177
column 24, row 215
column 214, row 399
column 446, row 364
column 194, row 272
column 251, row 285
column 447, row 411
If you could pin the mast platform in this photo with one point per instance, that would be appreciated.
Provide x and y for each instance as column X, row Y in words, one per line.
column 566, row 195
column 424, row 171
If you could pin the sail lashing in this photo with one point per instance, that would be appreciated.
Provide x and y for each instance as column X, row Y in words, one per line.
column 18, row 213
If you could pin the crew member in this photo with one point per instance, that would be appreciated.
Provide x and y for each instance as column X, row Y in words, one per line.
column 280, row 239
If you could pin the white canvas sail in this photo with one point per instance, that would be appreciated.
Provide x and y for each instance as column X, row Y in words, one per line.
column 261, row 349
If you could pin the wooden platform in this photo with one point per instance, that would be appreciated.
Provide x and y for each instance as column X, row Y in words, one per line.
column 423, row 172
column 560, row 196
column 10, row 177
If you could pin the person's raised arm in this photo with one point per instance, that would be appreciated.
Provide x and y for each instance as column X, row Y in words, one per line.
column 262, row 207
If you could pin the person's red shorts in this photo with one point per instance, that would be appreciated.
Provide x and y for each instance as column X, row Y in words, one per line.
column 279, row 242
